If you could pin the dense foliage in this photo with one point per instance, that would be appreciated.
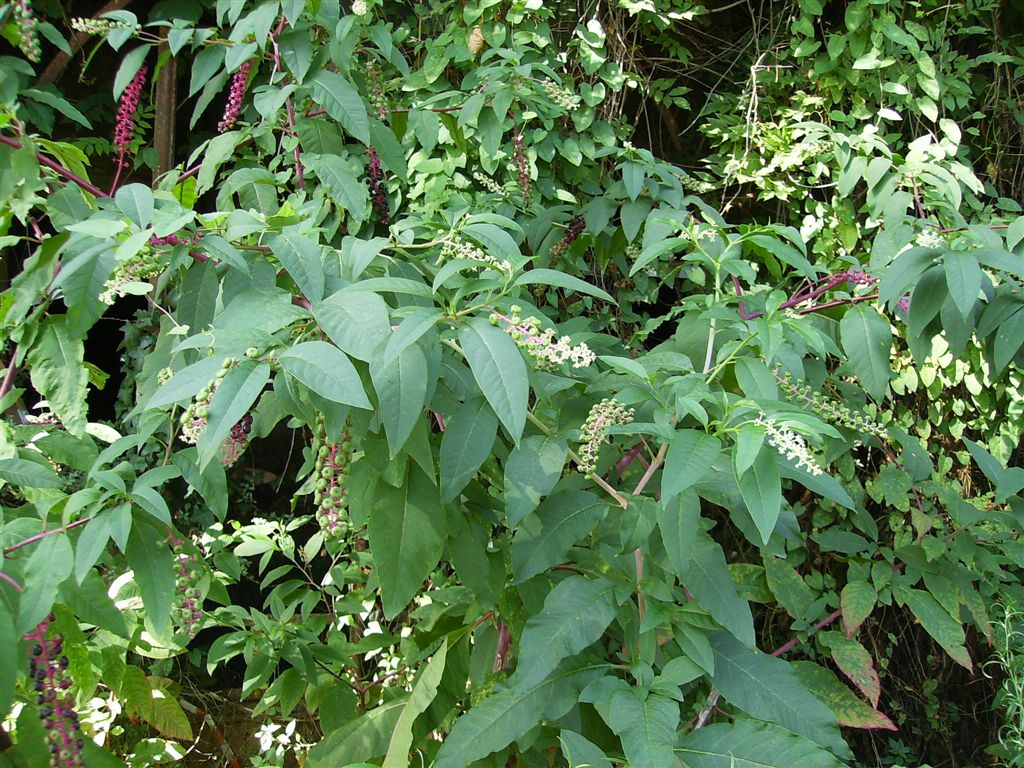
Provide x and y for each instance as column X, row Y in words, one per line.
column 468, row 415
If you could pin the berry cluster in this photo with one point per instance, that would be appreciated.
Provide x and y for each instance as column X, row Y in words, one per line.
column 175, row 239
column 609, row 412
column 236, row 442
column 490, row 185
column 827, row 408
column 193, row 420
column 547, row 351
column 457, row 248
column 48, row 670
column 522, row 168
column 124, row 130
column 375, row 181
column 378, row 100
column 143, row 266
column 563, row 97
column 187, row 598
column 331, row 468
column 98, row 26
column 576, row 227
column 25, row 19
column 239, row 84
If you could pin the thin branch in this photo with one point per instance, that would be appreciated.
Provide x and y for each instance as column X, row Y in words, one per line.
column 11, row 581
column 44, row 534
column 12, row 371
column 59, row 169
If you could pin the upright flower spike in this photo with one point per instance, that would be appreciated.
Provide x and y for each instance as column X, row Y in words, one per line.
column 790, row 444
column 236, row 95
column 26, row 22
column 606, row 414
column 547, row 351
column 48, row 670
column 124, row 129
column 576, row 228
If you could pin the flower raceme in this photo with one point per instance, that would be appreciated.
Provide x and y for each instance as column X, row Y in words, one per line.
column 547, row 351
column 331, row 472
column 124, row 129
column 606, row 414
column 789, row 444
column 48, row 669
column 239, row 84
column 457, row 248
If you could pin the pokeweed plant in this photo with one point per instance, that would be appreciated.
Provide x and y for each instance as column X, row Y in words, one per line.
column 523, row 528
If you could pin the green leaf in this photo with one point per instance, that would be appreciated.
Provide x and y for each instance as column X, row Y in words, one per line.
column 580, row 753
column 761, row 488
column 406, row 538
column 361, row 738
column 56, row 102
column 169, row 718
column 300, row 256
column 345, row 187
column 788, row 587
column 946, row 631
column 646, row 724
column 91, row 544
column 856, row 601
column 855, row 662
column 136, row 202
column 575, row 615
column 327, row 371
column 93, row 604
column 56, row 365
column 850, row 711
column 423, row 692
column 544, row 537
column 29, row 474
column 401, row 385
column 153, row 565
column 47, row 567
column 343, row 103
column 355, row 320
column 500, row 372
column 531, row 471
column 679, row 521
column 768, row 689
column 710, row 581
column 466, row 445
column 232, row 400
column 130, row 65
column 867, row 340
column 751, row 744
column 689, row 458
column 10, row 658
column 562, row 280
column 963, row 276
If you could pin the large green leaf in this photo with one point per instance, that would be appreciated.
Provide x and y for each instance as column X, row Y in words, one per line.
column 850, row 710
column 710, row 581
column 499, row 370
column 345, row 187
column 531, row 471
column 575, row 615
column 581, row 753
column 467, row 443
column 423, row 692
column 401, row 384
column 678, row 521
column 361, row 738
column 689, row 457
column 405, row 529
column 153, row 565
column 788, row 587
column 750, row 744
column 10, row 658
column 186, row 383
column 768, row 689
column 867, row 340
column 300, row 255
column 561, row 280
column 946, row 631
column 232, row 400
column 343, row 103
column 56, row 365
column 963, row 277
column 544, row 537
column 47, row 567
column 356, row 320
column 646, row 724
column 27, row 473
column 761, row 489
column 327, row 371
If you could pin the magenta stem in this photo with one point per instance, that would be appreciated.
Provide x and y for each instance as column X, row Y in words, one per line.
column 59, row 169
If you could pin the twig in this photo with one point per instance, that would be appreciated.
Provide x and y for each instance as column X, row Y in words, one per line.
column 12, row 371
column 59, row 169
column 44, row 534
column 11, row 581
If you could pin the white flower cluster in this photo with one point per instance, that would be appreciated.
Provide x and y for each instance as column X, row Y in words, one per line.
column 547, row 351
column 490, row 184
column 789, row 444
column 457, row 248
column 929, row 239
column 98, row 26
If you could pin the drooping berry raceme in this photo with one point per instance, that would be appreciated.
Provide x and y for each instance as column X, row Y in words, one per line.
column 48, row 670
column 457, row 248
column 563, row 97
column 331, row 466
column 143, row 266
column 236, row 95
column 789, row 444
column 576, row 227
column 606, row 414
column 547, row 351
column 193, row 420
column 187, row 609
column 235, row 444
column 124, row 130
column 378, row 100
column 26, row 22
column 826, row 407
column 375, row 181
column 522, row 168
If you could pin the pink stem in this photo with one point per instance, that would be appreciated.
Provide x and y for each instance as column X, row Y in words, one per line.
column 11, row 581
column 59, row 169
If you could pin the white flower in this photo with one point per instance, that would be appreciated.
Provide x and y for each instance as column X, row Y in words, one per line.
column 789, row 444
column 266, row 737
column 547, row 351
column 359, row 7
column 929, row 239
